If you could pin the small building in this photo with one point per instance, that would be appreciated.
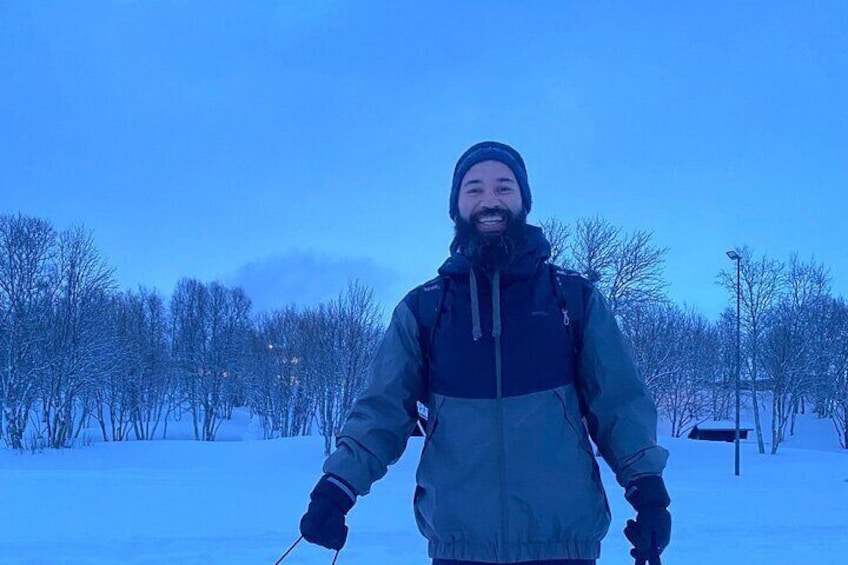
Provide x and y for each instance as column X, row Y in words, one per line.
column 722, row 430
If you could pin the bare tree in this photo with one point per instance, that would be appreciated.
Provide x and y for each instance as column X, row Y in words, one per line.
column 109, row 404
column 653, row 333
column 151, row 399
column 787, row 354
column 27, row 277
column 627, row 268
column 210, row 337
column 723, row 387
column 276, row 380
column 321, row 377
column 638, row 274
column 339, row 339
column 593, row 249
column 689, row 396
column 832, row 365
column 677, row 355
column 359, row 332
column 78, row 347
column 557, row 234
column 134, row 394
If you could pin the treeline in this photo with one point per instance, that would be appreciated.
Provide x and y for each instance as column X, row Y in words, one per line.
column 76, row 351
column 793, row 332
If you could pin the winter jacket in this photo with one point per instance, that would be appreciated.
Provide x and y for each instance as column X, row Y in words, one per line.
column 507, row 473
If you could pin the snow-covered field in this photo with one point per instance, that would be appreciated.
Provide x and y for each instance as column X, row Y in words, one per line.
column 232, row 502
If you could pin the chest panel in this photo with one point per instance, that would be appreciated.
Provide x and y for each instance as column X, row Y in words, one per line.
column 536, row 349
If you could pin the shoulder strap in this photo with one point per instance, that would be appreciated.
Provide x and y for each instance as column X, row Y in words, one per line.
column 431, row 300
column 569, row 290
column 568, row 286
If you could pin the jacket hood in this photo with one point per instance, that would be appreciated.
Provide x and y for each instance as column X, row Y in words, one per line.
column 534, row 251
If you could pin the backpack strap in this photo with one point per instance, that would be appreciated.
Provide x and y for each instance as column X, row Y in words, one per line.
column 568, row 287
column 431, row 301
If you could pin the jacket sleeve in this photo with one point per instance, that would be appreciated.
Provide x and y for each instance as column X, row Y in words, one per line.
column 620, row 413
column 382, row 419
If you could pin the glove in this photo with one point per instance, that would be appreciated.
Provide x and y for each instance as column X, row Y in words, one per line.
column 650, row 533
column 324, row 521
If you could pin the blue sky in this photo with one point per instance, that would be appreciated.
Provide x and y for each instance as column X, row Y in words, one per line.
column 289, row 146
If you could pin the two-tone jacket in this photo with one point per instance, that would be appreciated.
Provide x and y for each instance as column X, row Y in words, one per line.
column 507, row 472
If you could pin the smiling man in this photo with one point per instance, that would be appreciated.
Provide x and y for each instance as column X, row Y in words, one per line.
column 515, row 359
column 489, row 211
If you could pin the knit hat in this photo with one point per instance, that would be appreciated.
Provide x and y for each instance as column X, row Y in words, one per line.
column 489, row 151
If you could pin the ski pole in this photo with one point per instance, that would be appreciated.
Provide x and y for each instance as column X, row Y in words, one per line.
column 289, row 550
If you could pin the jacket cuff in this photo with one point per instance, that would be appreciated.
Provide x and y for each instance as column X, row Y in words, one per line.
column 336, row 491
column 647, row 492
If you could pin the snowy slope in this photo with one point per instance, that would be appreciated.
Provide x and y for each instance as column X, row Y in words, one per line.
column 240, row 502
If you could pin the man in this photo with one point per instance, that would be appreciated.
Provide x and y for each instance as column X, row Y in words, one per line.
column 507, row 473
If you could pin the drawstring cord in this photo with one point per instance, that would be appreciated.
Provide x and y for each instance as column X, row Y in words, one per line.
column 496, row 305
column 289, row 550
column 476, row 332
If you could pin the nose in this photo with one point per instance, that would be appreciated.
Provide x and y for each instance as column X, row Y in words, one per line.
column 490, row 199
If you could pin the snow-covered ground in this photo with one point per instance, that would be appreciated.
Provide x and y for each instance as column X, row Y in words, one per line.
column 233, row 502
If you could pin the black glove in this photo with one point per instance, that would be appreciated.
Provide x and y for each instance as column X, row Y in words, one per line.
column 651, row 531
column 324, row 521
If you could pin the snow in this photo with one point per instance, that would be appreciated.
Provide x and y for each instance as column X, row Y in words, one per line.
column 231, row 502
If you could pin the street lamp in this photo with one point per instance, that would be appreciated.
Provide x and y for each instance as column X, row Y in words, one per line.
column 734, row 256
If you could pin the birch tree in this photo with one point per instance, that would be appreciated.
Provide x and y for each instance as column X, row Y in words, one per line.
column 210, row 336
column 276, row 385
column 27, row 278
column 787, row 355
column 77, row 346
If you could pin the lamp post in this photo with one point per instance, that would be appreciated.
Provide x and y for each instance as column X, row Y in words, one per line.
column 734, row 256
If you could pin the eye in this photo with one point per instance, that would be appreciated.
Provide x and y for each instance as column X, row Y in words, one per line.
column 505, row 189
column 472, row 191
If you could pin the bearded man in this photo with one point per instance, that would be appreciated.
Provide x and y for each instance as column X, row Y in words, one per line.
column 515, row 360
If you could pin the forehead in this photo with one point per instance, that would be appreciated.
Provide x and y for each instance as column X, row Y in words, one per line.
column 488, row 170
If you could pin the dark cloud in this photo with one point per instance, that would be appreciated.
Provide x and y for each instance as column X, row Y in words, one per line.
column 305, row 278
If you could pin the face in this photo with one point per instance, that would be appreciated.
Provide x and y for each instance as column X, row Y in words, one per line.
column 487, row 188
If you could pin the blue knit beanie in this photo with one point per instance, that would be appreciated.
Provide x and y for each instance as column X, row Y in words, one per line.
column 489, row 151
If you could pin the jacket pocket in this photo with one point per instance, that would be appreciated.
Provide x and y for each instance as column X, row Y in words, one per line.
column 574, row 417
column 571, row 412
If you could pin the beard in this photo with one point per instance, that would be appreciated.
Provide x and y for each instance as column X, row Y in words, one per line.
column 490, row 251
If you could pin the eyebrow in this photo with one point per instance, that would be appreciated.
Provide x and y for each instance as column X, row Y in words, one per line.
column 478, row 181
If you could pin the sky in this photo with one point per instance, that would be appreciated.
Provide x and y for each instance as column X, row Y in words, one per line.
column 288, row 147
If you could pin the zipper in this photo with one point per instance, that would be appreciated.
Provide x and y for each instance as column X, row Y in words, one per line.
column 502, row 439
column 496, row 334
